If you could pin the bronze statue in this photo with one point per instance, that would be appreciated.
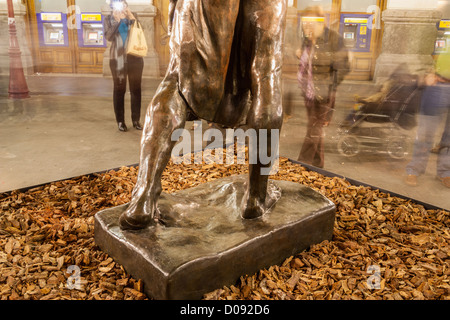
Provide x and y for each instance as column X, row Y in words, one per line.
column 225, row 55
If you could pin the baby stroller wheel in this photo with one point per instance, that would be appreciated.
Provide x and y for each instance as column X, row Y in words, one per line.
column 348, row 146
column 397, row 147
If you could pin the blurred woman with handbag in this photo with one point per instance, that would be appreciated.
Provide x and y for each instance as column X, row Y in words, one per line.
column 124, row 66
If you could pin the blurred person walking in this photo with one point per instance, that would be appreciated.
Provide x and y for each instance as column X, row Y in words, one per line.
column 124, row 66
column 324, row 62
column 435, row 105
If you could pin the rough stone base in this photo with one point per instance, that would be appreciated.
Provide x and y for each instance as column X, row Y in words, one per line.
column 409, row 37
column 206, row 245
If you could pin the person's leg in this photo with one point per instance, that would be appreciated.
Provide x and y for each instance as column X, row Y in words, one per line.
column 429, row 119
column 312, row 151
column 319, row 157
column 308, row 147
column 422, row 145
column 264, row 23
column 119, row 89
column 319, row 133
column 443, row 161
column 165, row 114
column 135, row 69
column 446, row 134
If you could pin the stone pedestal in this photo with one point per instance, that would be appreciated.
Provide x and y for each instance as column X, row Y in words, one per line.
column 20, row 14
column 206, row 245
column 409, row 37
column 146, row 15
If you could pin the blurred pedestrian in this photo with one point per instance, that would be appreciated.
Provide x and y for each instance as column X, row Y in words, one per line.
column 323, row 64
column 124, row 66
column 435, row 105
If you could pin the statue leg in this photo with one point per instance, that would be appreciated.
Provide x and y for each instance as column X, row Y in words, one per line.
column 264, row 24
column 166, row 113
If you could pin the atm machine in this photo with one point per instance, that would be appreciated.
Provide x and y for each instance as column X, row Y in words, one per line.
column 90, row 32
column 443, row 37
column 52, row 29
column 356, row 32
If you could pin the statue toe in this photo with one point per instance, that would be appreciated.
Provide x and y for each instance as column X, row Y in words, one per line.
column 134, row 223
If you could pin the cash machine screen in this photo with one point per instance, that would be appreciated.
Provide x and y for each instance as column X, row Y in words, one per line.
column 349, row 35
column 53, row 33
column 92, row 34
column 440, row 44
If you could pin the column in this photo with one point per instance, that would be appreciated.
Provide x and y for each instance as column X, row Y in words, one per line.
column 146, row 13
column 20, row 12
column 409, row 36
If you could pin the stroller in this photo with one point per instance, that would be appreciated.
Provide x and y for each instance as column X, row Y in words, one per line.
column 380, row 123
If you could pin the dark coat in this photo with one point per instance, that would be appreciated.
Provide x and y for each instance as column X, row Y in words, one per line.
column 111, row 30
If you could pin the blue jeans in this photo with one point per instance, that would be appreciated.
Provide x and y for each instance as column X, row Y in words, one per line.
column 434, row 106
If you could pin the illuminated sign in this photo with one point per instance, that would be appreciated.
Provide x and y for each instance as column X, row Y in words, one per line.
column 51, row 17
column 91, row 17
column 356, row 20
column 313, row 19
column 444, row 24
column 363, row 30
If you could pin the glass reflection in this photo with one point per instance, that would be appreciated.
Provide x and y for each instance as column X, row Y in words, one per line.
column 372, row 136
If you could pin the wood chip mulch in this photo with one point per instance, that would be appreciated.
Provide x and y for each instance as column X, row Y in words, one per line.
column 383, row 247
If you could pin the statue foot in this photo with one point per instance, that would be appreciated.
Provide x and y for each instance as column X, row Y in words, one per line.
column 254, row 208
column 135, row 222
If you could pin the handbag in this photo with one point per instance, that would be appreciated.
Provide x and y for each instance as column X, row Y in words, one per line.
column 137, row 45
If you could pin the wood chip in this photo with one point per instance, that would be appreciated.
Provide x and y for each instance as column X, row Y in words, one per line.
column 396, row 243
